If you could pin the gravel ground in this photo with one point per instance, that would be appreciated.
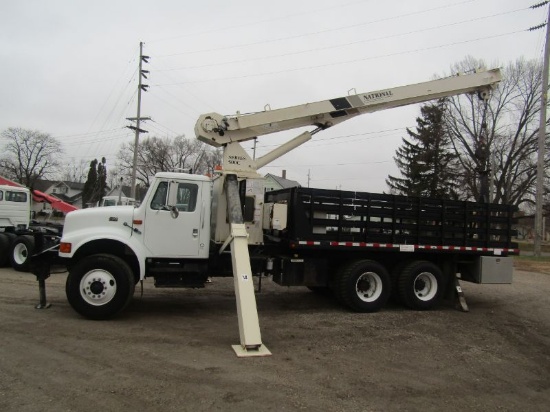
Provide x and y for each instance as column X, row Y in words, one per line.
column 170, row 351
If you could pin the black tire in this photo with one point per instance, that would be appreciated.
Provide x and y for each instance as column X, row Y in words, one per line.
column 100, row 286
column 22, row 248
column 421, row 285
column 395, row 273
column 363, row 286
column 11, row 236
column 4, row 250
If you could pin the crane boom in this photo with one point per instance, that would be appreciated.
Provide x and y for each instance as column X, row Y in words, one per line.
column 219, row 130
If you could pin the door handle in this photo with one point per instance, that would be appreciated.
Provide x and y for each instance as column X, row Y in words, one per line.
column 195, row 232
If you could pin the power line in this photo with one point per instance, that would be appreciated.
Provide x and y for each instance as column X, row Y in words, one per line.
column 257, row 22
column 319, row 31
column 337, row 46
column 344, row 62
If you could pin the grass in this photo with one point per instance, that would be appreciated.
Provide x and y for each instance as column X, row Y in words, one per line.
column 533, row 264
column 529, row 247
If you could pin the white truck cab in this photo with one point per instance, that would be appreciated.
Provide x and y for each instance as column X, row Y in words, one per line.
column 173, row 221
column 15, row 207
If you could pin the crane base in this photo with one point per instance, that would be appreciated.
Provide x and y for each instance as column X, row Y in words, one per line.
column 247, row 353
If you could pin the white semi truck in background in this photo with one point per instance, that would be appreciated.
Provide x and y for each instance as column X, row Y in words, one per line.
column 360, row 247
column 17, row 226
column 17, row 229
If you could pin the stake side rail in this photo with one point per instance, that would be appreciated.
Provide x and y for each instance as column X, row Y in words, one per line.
column 339, row 218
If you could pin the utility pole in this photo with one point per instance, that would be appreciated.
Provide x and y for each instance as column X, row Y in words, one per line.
column 138, row 118
column 539, row 226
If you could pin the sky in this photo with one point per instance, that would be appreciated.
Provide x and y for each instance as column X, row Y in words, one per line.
column 69, row 68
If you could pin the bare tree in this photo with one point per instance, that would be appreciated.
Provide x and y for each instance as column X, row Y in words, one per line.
column 508, row 145
column 75, row 171
column 163, row 155
column 211, row 159
column 29, row 155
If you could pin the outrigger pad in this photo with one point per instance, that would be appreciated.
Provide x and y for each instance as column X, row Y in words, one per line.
column 248, row 353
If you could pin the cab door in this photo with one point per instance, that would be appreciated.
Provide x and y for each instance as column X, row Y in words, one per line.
column 172, row 221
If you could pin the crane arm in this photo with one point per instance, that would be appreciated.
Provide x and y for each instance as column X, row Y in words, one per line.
column 219, row 130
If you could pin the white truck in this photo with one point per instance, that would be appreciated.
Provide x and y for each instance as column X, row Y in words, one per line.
column 189, row 227
column 17, row 228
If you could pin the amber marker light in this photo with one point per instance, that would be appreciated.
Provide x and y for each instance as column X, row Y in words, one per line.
column 65, row 247
column 137, row 222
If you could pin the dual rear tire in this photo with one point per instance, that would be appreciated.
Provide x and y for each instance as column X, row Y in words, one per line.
column 365, row 285
column 420, row 285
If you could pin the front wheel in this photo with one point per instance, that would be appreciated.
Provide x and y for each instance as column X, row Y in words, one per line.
column 100, row 286
column 421, row 285
column 363, row 286
column 20, row 252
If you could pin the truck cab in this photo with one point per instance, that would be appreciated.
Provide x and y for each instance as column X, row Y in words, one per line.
column 108, row 250
column 15, row 207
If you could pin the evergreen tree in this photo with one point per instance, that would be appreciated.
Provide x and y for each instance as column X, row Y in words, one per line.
column 101, row 181
column 426, row 162
column 90, row 184
column 410, row 183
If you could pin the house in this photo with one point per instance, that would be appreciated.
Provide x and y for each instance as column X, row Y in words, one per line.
column 118, row 190
column 69, row 192
column 273, row 182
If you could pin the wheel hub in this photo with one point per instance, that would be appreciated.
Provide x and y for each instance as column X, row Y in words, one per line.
column 368, row 287
column 425, row 286
column 98, row 287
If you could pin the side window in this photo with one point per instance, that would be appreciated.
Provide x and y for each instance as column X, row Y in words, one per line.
column 20, row 197
column 159, row 199
column 186, row 197
column 1, row 195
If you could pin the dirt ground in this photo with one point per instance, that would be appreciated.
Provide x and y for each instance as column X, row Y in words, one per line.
column 170, row 351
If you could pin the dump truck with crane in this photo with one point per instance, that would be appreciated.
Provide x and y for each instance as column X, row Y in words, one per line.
column 359, row 247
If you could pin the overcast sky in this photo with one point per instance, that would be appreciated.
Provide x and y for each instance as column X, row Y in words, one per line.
column 69, row 68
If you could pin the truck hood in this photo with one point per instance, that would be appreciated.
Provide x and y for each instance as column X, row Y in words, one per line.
column 98, row 217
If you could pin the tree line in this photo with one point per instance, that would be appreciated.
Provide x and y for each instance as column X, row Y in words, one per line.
column 30, row 155
column 459, row 141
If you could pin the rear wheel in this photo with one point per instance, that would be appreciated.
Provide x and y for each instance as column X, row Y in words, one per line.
column 21, row 250
column 100, row 286
column 363, row 286
column 421, row 285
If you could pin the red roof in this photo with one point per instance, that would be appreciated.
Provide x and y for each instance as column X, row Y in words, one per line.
column 39, row 196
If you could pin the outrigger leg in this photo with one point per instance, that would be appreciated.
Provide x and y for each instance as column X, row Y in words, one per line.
column 247, row 313
column 460, row 299
column 42, row 272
